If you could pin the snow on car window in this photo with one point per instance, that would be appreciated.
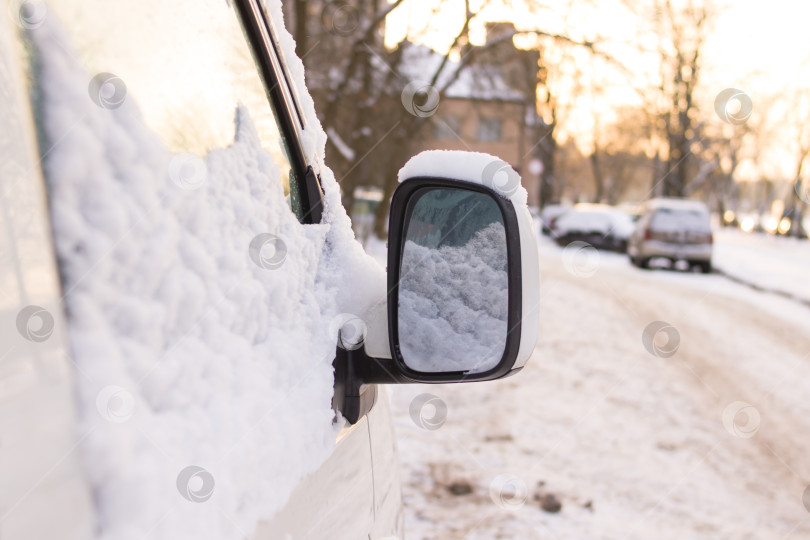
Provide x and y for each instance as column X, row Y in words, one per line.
column 676, row 220
column 199, row 310
column 453, row 290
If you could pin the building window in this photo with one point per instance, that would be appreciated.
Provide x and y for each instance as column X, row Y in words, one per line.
column 489, row 129
column 447, row 127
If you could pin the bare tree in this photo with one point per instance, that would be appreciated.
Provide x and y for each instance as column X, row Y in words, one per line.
column 358, row 85
column 619, row 161
column 682, row 30
column 799, row 196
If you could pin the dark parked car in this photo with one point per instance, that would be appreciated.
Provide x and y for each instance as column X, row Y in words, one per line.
column 601, row 226
column 550, row 215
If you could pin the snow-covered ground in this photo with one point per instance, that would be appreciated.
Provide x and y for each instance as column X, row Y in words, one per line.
column 702, row 436
column 772, row 262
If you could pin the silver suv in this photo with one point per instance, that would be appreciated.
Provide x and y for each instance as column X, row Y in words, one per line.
column 674, row 229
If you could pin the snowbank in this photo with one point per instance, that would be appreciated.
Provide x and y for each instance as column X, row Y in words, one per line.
column 189, row 352
column 769, row 262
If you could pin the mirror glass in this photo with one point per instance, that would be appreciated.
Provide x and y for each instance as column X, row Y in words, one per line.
column 453, row 283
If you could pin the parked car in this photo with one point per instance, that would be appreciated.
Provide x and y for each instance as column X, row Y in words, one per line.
column 180, row 281
column 673, row 229
column 603, row 227
column 631, row 209
column 549, row 215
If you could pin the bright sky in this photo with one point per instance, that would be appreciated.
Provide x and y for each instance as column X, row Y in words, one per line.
column 759, row 47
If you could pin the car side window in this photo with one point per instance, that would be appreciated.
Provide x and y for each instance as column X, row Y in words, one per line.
column 188, row 98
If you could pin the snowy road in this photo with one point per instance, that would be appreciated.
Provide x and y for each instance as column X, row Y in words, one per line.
column 709, row 442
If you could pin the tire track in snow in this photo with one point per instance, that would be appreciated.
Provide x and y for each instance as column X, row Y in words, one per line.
column 726, row 340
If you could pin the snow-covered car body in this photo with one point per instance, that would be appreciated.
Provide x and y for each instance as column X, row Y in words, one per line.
column 549, row 215
column 602, row 226
column 674, row 229
column 178, row 274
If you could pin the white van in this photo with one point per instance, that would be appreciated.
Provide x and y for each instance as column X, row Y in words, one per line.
column 193, row 343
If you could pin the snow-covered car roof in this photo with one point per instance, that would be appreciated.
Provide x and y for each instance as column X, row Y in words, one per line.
column 553, row 210
column 595, row 218
column 676, row 204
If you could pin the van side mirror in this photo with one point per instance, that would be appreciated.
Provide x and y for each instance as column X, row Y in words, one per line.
column 463, row 281
column 456, row 306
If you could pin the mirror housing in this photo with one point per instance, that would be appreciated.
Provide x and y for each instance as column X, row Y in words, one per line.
column 492, row 180
column 379, row 360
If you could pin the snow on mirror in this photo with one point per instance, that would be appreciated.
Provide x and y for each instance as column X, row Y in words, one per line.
column 453, row 288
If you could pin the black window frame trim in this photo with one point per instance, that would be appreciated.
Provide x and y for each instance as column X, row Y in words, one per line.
column 266, row 54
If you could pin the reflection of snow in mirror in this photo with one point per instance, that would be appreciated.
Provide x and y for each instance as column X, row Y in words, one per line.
column 453, row 303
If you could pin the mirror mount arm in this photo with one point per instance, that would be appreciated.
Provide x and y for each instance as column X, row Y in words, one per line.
column 356, row 378
column 372, row 370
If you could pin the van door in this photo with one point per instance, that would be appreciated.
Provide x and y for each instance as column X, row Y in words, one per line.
column 336, row 501
column 189, row 85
